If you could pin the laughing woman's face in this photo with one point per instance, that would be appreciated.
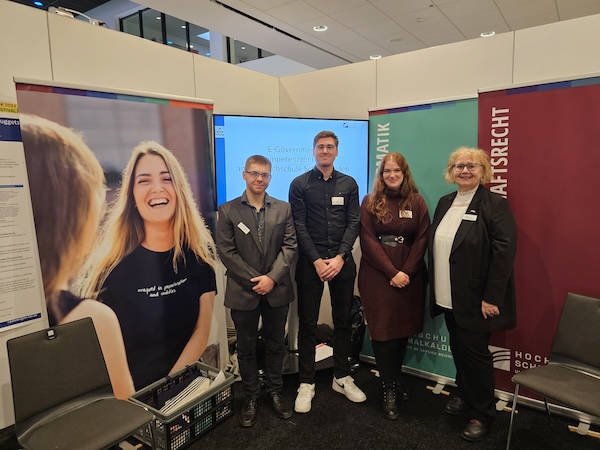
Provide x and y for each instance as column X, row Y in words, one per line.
column 153, row 190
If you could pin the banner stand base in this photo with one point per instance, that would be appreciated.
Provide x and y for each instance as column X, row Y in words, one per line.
column 438, row 389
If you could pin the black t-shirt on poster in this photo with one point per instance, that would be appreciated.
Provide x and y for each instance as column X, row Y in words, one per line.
column 157, row 308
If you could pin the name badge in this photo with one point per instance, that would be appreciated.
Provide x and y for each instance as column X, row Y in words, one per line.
column 243, row 227
column 337, row 201
column 405, row 214
column 470, row 217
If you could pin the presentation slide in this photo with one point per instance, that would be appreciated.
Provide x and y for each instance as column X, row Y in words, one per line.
column 287, row 143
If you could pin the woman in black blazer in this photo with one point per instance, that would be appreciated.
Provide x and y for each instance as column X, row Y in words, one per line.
column 472, row 246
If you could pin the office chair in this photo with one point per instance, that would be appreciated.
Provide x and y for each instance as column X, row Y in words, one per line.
column 572, row 376
column 62, row 394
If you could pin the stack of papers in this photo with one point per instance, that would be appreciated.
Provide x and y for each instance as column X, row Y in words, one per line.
column 194, row 390
column 323, row 351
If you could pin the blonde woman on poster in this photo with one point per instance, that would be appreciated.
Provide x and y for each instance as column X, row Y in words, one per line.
column 67, row 189
column 154, row 266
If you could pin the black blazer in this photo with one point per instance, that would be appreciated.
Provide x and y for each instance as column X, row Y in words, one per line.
column 481, row 262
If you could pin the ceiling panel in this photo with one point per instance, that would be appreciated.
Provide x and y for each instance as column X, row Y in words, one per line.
column 534, row 21
column 400, row 7
column 530, row 9
column 294, row 12
column 466, row 8
column 487, row 21
column 335, row 6
column 385, row 27
column 266, row 4
column 421, row 19
column 359, row 15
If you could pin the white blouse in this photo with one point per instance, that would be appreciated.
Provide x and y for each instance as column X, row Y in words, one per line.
column 442, row 246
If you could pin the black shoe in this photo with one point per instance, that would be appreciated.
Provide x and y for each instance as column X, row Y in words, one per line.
column 456, row 406
column 248, row 412
column 403, row 391
column 475, row 431
column 390, row 405
column 276, row 401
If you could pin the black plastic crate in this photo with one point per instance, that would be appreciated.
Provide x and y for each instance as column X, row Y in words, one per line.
column 191, row 419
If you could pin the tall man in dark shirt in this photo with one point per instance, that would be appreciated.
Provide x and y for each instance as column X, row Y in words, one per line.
column 326, row 213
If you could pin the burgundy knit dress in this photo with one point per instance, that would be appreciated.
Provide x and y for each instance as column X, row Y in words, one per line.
column 390, row 312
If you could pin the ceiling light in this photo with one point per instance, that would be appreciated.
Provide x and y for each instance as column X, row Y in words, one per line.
column 375, row 56
column 487, row 33
column 320, row 27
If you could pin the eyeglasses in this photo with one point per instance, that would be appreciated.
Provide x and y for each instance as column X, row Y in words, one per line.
column 470, row 167
column 265, row 176
column 328, row 147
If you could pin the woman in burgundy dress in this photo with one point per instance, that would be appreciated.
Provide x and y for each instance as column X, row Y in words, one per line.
column 392, row 277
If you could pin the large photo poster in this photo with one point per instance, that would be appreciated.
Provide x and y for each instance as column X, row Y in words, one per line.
column 425, row 135
column 123, row 196
column 542, row 142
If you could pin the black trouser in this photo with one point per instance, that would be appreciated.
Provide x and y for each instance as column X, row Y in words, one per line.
column 389, row 356
column 310, row 291
column 474, row 369
column 273, row 333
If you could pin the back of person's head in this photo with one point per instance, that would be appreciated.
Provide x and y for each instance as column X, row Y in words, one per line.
column 66, row 183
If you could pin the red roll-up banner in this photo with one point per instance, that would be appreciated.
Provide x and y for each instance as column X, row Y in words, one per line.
column 544, row 144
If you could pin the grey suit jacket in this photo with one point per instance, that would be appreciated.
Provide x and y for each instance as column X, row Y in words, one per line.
column 245, row 258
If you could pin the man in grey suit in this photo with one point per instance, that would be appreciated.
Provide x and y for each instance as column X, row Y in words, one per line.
column 257, row 244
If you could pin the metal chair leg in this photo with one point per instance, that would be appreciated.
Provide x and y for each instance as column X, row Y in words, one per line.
column 548, row 411
column 512, row 415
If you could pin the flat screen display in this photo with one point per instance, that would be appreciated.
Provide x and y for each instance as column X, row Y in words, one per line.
column 287, row 143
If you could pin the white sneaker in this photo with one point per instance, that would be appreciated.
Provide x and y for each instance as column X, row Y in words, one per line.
column 347, row 387
column 306, row 392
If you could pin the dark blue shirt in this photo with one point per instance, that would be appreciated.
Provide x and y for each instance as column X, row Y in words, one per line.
column 326, row 214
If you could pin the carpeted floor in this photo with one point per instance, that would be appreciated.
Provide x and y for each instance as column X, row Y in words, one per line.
column 336, row 423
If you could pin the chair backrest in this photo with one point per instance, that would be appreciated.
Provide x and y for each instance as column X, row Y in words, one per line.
column 577, row 339
column 51, row 367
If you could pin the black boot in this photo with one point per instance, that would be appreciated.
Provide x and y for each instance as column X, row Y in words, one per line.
column 403, row 391
column 390, row 406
